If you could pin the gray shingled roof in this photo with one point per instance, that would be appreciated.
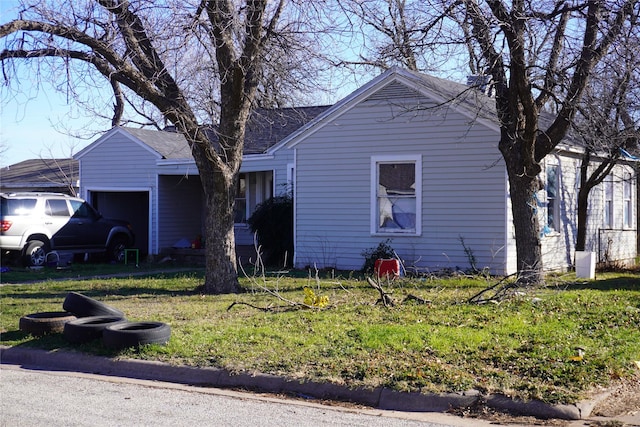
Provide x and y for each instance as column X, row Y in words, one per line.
column 170, row 145
column 40, row 174
column 266, row 127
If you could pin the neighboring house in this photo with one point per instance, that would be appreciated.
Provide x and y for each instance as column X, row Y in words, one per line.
column 406, row 157
column 51, row 175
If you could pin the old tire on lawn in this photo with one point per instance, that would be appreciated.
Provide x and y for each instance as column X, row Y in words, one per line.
column 49, row 322
column 83, row 306
column 135, row 334
column 89, row 328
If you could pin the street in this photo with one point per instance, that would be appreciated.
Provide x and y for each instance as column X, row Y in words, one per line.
column 48, row 398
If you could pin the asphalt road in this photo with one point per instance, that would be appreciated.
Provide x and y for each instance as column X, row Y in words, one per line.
column 48, row 398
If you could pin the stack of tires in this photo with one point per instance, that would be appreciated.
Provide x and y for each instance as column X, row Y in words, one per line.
column 86, row 319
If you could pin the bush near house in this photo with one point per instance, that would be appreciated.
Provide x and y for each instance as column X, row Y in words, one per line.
column 272, row 222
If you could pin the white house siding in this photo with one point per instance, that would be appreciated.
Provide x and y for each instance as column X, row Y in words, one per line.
column 558, row 245
column 463, row 188
column 116, row 164
column 615, row 244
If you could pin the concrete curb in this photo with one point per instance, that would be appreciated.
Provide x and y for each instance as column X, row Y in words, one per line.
column 381, row 398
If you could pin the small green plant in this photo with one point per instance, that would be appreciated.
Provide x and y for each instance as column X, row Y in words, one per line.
column 382, row 251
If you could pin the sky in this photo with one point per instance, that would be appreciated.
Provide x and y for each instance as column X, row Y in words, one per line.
column 36, row 121
column 33, row 119
column 30, row 125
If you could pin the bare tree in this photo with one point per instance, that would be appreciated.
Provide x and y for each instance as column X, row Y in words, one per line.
column 413, row 34
column 539, row 56
column 607, row 122
column 539, row 53
column 191, row 64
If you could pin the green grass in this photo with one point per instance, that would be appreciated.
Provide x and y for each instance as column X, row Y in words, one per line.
column 20, row 274
column 521, row 347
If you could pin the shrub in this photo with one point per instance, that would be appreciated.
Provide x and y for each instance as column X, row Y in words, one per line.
column 272, row 222
column 383, row 250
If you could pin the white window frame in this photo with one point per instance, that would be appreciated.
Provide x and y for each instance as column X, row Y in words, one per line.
column 556, row 198
column 608, row 199
column 416, row 159
column 627, row 200
column 244, row 175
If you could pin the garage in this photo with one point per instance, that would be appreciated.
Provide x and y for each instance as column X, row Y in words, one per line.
column 132, row 206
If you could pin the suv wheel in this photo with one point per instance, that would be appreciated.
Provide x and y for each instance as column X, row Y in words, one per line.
column 116, row 248
column 35, row 253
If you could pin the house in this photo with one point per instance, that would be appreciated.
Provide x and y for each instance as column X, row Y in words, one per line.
column 150, row 178
column 51, row 175
column 407, row 158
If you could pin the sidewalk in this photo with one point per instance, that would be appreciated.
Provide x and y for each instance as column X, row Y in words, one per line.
column 380, row 398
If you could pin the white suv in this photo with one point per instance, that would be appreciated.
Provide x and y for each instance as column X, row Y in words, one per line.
column 32, row 224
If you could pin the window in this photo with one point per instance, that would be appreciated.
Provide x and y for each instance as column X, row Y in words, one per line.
column 627, row 206
column 396, row 194
column 82, row 210
column 18, row 206
column 553, row 205
column 608, row 201
column 56, row 207
column 240, row 207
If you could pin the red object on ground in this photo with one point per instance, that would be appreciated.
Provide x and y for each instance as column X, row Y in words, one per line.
column 387, row 268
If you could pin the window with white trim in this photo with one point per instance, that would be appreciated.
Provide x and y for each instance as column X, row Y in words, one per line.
column 553, row 204
column 396, row 182
column 627, row 205
column 240, row 207
column 608, row 201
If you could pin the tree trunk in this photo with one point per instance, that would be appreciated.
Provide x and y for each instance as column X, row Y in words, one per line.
column 221, row 274
column 581, row 231
column 527, row 226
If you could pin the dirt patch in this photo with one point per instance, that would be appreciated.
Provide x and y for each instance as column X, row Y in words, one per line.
column 623, row 400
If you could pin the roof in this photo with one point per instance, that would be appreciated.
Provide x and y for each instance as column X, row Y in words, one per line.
column 40, row 173
column 168, row 144
column 265, row 128
column 466, row 99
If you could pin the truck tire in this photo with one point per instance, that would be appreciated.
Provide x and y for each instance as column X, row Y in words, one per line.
column 115, row 251
column 89, row 328
column 135, row 334
column 35, row 253
column 84, row 306
column 48, row 322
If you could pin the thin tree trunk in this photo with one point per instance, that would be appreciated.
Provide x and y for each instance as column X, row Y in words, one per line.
column 581, row 231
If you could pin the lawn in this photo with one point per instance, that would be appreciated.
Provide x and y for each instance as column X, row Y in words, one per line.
column 523, row 347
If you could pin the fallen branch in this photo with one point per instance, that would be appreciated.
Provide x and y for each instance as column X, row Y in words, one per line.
column 502, row 289
column 417, row 299
column 385, row 297
column 269, row 308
